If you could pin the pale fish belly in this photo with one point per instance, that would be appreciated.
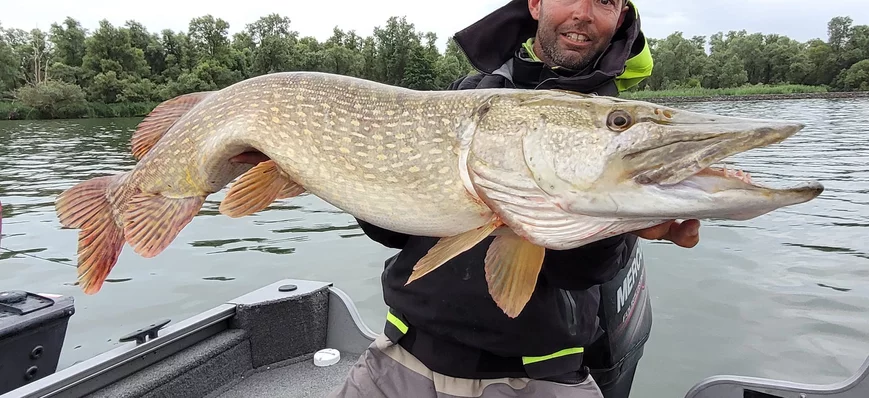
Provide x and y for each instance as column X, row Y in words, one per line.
column 385, row 156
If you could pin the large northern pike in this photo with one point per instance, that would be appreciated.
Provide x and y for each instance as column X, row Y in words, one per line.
column 539, row 169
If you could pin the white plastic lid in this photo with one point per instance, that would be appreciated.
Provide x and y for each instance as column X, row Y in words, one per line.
column 326, row 357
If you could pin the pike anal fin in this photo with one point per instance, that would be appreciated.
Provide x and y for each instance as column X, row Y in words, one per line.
column 153, row 221
column 512, row 267
column 258, row 188
column 86, row 206
column 449, row 247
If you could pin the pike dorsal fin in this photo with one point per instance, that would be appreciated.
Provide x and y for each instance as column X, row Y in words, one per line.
column 161, row 119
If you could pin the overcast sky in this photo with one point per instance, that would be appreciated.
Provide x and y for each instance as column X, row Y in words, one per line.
column 799, row 19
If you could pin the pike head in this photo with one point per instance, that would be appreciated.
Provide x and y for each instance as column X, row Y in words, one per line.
column 563, row 169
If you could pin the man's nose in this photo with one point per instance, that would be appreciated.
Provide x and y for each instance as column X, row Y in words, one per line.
column 583, row 10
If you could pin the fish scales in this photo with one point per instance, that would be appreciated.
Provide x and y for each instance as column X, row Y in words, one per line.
column 396, row 150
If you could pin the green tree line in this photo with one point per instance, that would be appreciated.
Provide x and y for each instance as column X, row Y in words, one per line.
column 739, row 58
column 126, row 70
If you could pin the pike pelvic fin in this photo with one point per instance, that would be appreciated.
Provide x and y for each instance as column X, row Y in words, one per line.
column 86, row 206
column 512, row 265
column 160, row 120
column 257, row 188
column 153, row 221
column 449, row 247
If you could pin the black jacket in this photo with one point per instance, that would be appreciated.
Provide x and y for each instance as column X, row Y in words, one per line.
column 467, row 334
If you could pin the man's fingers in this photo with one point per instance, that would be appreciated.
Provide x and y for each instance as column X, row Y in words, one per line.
column 657, row 232
column 686, row 233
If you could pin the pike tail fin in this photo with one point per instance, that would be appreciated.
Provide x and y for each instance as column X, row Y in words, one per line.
column 512, row 265
column 153, row 221
column 160, row 120
column 257, row 188
column 86, row 206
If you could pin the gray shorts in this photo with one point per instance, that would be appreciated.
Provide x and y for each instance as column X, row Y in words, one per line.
column 387, row 370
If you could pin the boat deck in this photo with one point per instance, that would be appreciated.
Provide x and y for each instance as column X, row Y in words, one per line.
column 299, row 379
column 258, row 345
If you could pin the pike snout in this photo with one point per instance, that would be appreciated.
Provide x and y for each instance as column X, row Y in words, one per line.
column 683, row 143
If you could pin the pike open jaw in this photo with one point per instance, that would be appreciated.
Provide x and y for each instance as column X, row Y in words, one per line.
column 714, row 179
column 683, row 150
column 677, row 161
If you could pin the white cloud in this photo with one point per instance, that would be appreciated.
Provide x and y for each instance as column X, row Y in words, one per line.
column 799, row 19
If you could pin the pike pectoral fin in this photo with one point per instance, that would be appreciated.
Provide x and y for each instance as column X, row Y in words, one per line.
column 449, row 247
column 257, row 188
column 160, row 120
column 100, row 240
column 512, row 267
column 153, row 221
column 290, row 190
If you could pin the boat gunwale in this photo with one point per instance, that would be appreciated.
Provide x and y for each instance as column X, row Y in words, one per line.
column 121, row 362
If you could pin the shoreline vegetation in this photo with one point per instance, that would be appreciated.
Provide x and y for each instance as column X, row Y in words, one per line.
column 11, row 110
column 69, row 72
column 746, row 93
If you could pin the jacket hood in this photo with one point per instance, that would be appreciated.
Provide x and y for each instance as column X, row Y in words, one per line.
column 495, row 39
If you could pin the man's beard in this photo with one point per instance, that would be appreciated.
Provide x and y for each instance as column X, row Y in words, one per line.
column 566, row 59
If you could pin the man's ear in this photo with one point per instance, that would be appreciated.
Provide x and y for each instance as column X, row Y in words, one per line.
column 624, row 12
column 534, row 8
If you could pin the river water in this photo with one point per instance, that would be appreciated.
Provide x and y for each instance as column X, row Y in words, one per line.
column 784, row 295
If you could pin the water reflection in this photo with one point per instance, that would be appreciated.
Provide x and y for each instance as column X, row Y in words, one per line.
column 838, row 289
column 221, row 242
column 12, row 253
column 321, row 228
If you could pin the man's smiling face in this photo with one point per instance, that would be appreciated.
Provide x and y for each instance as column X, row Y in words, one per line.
column 572, row 33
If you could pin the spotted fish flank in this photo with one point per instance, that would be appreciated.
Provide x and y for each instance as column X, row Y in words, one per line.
column 539, row 169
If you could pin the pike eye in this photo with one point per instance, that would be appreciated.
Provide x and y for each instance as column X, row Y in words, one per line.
column 619, row 120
